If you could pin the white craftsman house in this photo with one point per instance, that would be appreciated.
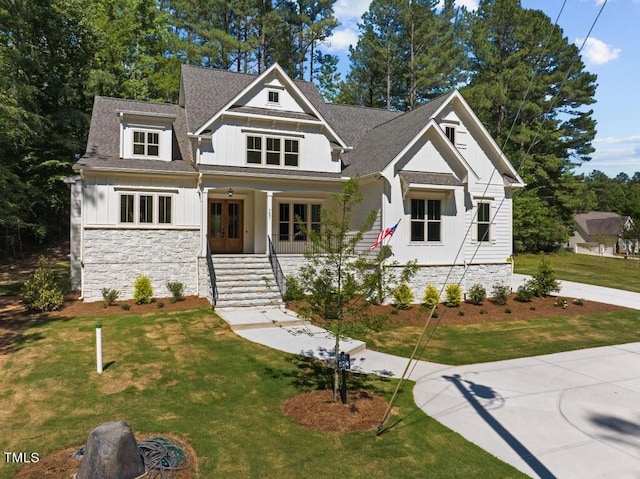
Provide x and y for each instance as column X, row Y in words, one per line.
column 207, row 191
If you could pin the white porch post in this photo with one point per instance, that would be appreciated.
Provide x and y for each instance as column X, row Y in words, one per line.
column 269, row 222
column 204, row 221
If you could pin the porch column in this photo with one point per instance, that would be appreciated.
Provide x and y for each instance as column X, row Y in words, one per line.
column 204, row 220
column 269, row 217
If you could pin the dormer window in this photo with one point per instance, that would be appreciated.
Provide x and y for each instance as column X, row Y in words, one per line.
column 146, row 143
column 274, row 96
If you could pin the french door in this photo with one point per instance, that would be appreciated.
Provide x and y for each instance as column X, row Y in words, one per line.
column 225, row 226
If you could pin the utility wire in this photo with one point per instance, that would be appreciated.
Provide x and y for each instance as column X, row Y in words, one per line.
column 414, row 358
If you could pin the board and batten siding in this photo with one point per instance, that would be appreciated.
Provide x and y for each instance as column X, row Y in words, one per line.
column 101, row 198
column 228, row 145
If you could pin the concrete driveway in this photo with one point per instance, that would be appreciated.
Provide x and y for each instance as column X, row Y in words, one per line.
column 568, row 415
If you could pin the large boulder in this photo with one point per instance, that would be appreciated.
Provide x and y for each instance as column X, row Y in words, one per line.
column 111, row 453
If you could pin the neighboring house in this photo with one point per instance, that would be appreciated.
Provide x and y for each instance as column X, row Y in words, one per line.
column 601, row 233
column 231, row 167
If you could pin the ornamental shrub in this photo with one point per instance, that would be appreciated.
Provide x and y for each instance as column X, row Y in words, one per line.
column 477, row 294
column 525, row 292
column 142, row 290
column 545, row 280
column 500, row 294
column 293, row 289
column 453, row 293
column 431, row 296
column 109, row 297
column 176, row 288
column 403, row 296
column 40, row 291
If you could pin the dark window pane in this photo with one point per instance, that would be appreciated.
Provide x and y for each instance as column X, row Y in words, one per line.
column 434, row 210
column 315, row 213
column 417, row 209
column 483, row 232
column 417, row 231
column 126, row 208
column 483, row 212
column 146, row 209
column 164, row 209
column 433, row 231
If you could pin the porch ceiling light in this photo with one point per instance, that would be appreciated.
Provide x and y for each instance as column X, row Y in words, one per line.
column 230, row 192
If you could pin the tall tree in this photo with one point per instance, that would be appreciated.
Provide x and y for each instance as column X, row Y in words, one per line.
column 530, row 88
column 46, row 51
column 408, row 52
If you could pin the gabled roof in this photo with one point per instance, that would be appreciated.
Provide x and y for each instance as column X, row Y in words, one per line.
column 205, row 91
column 380, row 145
column 103, row 144
column 602, row 223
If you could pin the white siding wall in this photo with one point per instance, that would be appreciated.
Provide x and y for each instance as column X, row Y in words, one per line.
column 165, row 138
column 259, row 97
column 102, row 198
column 229, row 145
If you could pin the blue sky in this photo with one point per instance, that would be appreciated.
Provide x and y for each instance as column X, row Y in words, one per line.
column 611, row 52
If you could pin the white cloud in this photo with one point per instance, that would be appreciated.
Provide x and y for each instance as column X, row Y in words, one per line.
column 341, row 39
column 470, row 4
column 345, row 10
column 598, row 52
column 612, row 140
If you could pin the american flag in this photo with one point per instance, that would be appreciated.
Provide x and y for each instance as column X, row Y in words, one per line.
column 384, row 234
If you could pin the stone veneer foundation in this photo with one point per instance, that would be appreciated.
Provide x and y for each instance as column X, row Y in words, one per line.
column 487, row 275
column 114, row 258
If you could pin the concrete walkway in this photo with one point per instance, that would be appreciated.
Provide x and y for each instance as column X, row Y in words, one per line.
column 568, row 415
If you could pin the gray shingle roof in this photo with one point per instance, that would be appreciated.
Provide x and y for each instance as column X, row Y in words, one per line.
column 418, row 177
column 266, row 172
column 601, row 223
column 207, row 90
column 376, row 135
column 378, row 146
column 103, row 144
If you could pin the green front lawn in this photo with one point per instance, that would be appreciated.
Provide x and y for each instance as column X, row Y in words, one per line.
column 494, row 341
column 610, row 272
column 186, row 373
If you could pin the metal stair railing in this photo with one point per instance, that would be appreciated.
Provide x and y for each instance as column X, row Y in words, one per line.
column 212, row 277
column 277, row 269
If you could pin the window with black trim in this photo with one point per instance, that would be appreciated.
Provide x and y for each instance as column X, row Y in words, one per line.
column 140, row 208
column 426, row 220
column 484, row 221
column 293, row 216
column 146, row 143
column 274, row 96
column 269, row 150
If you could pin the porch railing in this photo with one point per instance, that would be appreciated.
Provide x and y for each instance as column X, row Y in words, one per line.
column 277, row 269
column 297, row 246
column 212, row 277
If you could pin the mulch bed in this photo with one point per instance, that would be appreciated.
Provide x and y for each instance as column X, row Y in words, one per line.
column 318, row 411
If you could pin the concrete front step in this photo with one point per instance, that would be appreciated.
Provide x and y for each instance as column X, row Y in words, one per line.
column 244, row 303
column 245, row 281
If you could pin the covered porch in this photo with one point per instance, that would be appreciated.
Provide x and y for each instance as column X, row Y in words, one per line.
column 242, row 219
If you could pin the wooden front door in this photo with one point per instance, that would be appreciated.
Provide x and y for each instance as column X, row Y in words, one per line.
column 225, row 226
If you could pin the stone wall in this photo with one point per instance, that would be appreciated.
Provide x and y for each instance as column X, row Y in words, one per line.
column 486, row 274
column 114, row 258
